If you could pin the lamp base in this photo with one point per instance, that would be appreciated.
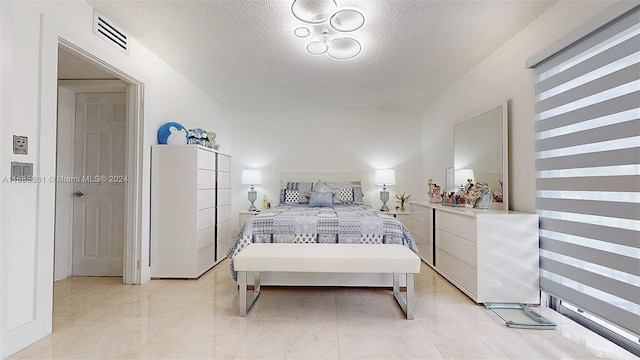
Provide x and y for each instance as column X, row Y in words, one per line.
column 253, row 195
column 384, row 197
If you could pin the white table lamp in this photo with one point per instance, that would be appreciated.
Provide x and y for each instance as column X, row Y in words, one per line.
column 385, row 177
column 251, row 177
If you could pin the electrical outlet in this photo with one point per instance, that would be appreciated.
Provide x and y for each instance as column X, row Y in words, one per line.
column 20, row 145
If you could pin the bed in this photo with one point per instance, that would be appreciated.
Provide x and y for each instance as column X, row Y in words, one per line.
column 329, row 209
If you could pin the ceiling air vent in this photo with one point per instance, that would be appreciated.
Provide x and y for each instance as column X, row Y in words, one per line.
column 110, row 33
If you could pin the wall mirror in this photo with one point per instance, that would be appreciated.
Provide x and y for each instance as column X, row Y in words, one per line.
column 481, row 153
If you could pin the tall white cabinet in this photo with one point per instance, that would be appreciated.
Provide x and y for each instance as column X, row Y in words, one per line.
column 490, row 255
column 184, row 210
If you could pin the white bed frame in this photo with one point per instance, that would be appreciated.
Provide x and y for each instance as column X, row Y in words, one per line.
column 327, row 279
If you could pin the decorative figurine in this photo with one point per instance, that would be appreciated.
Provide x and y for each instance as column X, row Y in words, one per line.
column 434, row 192
column 480, row 195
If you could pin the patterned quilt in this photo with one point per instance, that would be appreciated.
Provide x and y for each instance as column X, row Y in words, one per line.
column 299, row 223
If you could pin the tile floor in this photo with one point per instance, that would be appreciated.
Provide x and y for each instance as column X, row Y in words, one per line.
column 197, row 319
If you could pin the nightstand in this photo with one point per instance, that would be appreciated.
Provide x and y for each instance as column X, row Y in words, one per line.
column 403, row 216
column 246, row 215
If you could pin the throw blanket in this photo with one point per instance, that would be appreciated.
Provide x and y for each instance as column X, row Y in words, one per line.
column 299, row 223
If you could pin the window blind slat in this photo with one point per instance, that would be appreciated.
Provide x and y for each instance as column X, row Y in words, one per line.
column 608, row 259
column 591, row 88
column 619, row 51
column 596, row 159
column 609, row 234
column 605, row 310
column 613, row 106
column 604, row 133
column 602, row 283
column 604, row 183
column 590, row 207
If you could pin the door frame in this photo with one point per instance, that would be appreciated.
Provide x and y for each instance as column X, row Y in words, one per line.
column 133, row 193
column 37, row 321
column 64, row 209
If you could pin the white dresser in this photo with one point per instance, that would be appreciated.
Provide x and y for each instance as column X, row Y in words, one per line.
column 490, row 255
column 184, row 210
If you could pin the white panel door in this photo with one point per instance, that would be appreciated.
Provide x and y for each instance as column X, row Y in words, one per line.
column 99, row 190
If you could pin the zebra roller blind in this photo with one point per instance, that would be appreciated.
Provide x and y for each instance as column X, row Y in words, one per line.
column 588, row 172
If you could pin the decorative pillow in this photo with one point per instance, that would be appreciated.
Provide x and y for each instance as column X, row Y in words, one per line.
column 321, row 199
column 345, row 195
column 355, row 185
column 303, row 190
column 172, row 133
column 282, row 195
column 358, row 195
column 291, row 196
column 320, row 186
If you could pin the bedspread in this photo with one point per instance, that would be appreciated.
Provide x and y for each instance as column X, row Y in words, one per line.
column 299, row 223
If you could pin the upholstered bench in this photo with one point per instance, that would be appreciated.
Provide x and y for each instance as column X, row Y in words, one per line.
column 327, row 258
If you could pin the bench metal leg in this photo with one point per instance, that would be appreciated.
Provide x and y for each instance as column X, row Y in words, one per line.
column 408, row 304
column 243, row 304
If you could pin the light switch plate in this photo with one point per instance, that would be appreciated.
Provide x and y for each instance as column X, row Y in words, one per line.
column 21, row 171
column 20, row 145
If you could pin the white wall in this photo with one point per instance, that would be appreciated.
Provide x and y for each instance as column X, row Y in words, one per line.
column 29, row 71
column 502, row 75
column 293, row 141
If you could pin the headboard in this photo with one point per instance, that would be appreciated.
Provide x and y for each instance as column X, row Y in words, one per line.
column 336, row 176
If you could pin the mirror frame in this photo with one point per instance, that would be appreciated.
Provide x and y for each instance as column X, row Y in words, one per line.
column 505, row 151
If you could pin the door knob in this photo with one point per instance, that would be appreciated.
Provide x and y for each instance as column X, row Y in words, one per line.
column 78, row 193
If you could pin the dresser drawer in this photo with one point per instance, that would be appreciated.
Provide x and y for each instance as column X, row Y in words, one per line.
column 422, row 213
column 223, row 180
column 421, row 230
column 224, row 163
column 205, row 237
column 224, row 213
column 206, row 218
column 459, row 271
column 206, row 159
column 460, row 248
column 206, row 179
column 460, row 225
column 223, row 197
column 206, row 199
column 205, row 258
column 425, row 248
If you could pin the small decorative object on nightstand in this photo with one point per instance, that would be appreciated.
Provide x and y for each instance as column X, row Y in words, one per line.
column 402, row 199
column 385, row 177
column 251, row 177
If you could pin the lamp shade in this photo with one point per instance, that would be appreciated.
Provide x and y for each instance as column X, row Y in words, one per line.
column 251, row 177
column 385, row 177
column 462, row 175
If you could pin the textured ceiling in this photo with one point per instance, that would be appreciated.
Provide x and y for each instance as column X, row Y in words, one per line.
column 245, row 55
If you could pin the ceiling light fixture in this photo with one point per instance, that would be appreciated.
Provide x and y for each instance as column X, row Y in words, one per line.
column 326, row 25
